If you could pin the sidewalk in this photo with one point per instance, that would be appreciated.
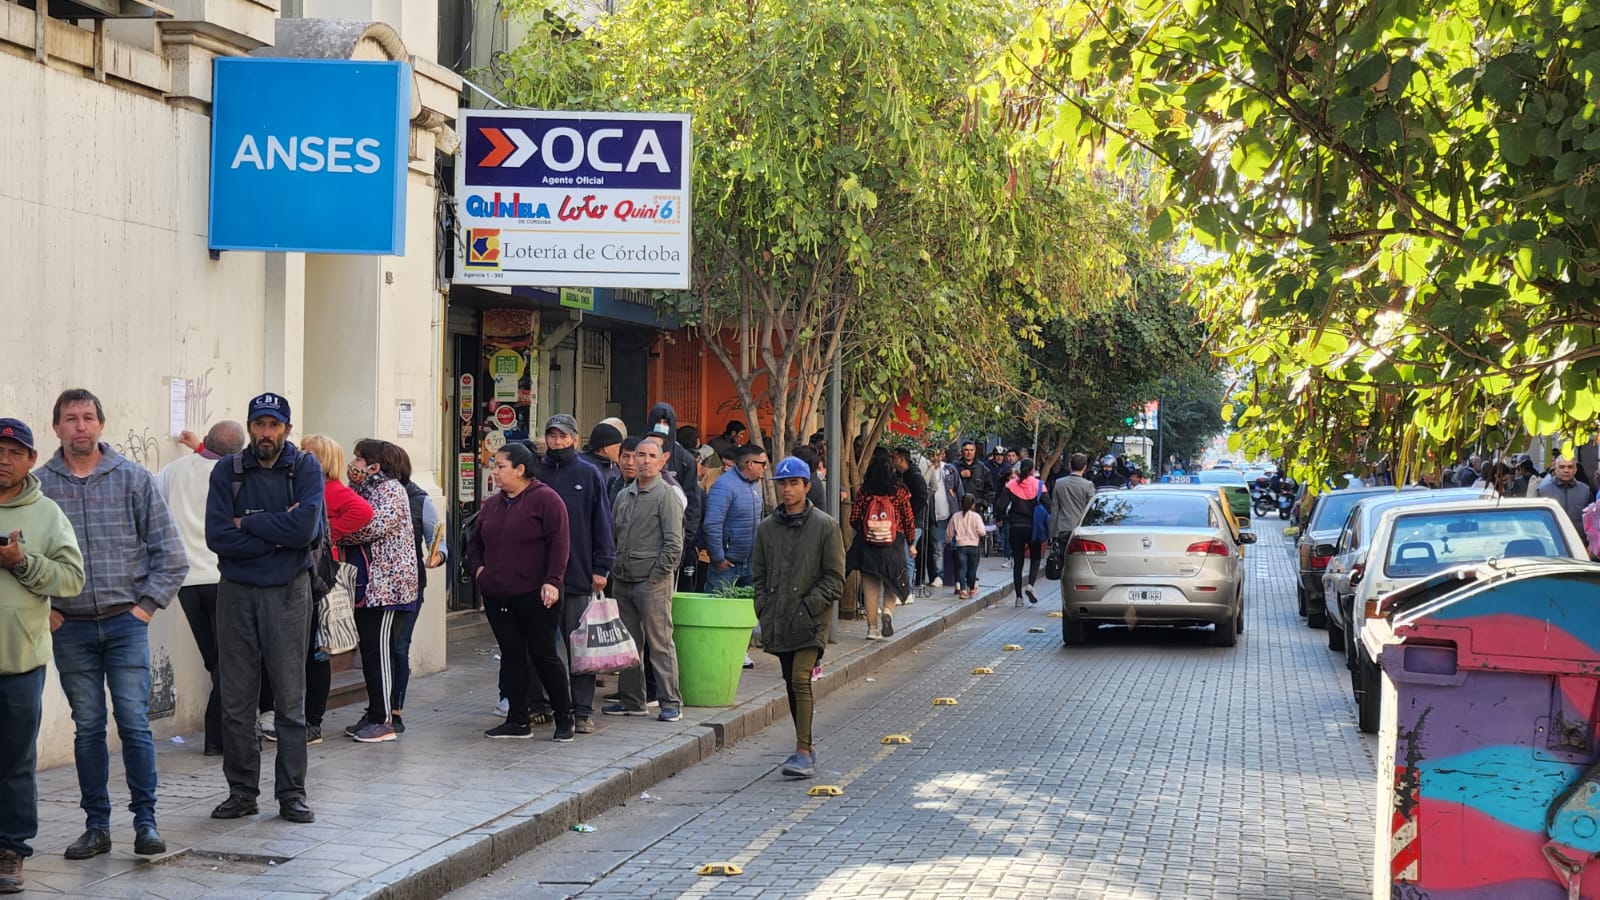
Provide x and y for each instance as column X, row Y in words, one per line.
column 441, row 806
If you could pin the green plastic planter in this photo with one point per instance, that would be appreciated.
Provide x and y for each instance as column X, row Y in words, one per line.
column 711, row 634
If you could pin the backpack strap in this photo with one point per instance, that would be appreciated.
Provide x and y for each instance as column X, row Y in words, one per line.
column 236, row 478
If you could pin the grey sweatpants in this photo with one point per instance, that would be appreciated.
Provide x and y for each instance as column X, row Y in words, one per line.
column 647, row 611
column 264, row 629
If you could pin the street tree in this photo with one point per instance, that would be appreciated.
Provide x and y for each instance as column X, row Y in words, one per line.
column 1401, row 197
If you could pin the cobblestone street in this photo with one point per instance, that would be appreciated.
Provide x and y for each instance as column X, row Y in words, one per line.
column 1146, row 764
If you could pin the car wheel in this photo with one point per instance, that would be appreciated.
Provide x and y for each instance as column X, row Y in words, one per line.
column 1226, row 633
column 1316, row 615
column 1369, row 694
column 1335, row 636
column 1349, row 645
column 1072, row 631
column 1300, row 598
column 1238, row 620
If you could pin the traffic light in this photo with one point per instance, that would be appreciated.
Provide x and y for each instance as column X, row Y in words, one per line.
column 1128, row 421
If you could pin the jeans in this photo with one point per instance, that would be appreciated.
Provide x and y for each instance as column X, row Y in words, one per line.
column 21, row 706
column 400, row 645
column 92, row 655
column 199, row 602
column 264, row 630
column 526, row 629
column 736, row 575
column 911, row 561
column 797, row 666
column 936, row 550
column 967, row 568
column 646, row 609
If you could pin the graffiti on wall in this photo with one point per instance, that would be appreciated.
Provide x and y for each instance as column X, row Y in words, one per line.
column 141, row 447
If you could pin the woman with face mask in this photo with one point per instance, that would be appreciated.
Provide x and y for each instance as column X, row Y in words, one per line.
column 384, row 552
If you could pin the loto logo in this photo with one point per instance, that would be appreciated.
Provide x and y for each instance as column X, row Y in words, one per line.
column 565, row 149
column 483, row 249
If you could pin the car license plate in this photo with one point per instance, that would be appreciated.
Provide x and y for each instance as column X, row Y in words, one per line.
column 1144, row 595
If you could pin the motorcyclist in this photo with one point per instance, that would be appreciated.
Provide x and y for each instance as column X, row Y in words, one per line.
column 1106, row 474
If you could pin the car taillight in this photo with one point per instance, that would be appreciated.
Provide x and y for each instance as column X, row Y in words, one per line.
column 1212, row 547
column 1086, row 547
column 1319, row 562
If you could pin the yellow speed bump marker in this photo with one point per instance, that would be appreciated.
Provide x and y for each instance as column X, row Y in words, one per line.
column 1053, row 614
column 721, row 868
column 1012, row 647
column 1037, row 629
column 944, row 701
column 983, row 670
column 825, row 790
column 896, row 739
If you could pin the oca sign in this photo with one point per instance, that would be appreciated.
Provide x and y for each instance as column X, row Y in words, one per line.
column 576, row 150
column 309, row 155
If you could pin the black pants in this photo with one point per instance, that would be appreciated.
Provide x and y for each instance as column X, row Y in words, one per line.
column 375, row 625
column 573, row 606
column 264, row 627
column 319, row 678
column 527, row 630
column 199, row 602
column 404, row 624
column 1021, row 541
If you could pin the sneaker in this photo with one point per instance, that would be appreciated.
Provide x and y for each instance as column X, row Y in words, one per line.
column 748, row 662
column 799, row 765
column 887, row 625
column 873, row 635
column 503, row 708
column 652, row 702
column 375, row 733
column 938, row 582
column 618, row 709
column 909, row 600
column 353, row 730
column 510, row 730
column 267, row 725
column 313, row 734
column 669, row 715
column 583, row 725
column 11, row 878
column 399, row 726
column 564, row 730
column 613, row 697
column 1032, row 597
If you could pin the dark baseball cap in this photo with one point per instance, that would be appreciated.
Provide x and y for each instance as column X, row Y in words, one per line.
column 562, row 422
column 15, row 430
column 269, row 404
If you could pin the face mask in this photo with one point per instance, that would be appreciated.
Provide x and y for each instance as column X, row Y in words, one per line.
column 562, row 455
column 662, row 429
column 355, row 473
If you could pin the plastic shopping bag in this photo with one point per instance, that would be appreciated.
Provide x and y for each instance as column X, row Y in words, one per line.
column 601, row 643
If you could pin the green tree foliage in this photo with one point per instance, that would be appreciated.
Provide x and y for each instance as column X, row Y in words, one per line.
column 1403, row 195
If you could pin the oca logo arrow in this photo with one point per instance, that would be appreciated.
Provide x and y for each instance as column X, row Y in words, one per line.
column 510, row 147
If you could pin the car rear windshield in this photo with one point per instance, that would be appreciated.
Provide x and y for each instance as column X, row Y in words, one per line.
column 1219, row 476
column 1425, row 543
column 1163, row 508
column 1334, row 508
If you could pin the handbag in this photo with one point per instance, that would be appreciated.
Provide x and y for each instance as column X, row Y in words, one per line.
column 336, row 612
column 601, row 643
column 1053, row 562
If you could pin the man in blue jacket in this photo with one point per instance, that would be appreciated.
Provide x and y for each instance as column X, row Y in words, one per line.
column 264, row 516
column 733, row 510
column 592, row 547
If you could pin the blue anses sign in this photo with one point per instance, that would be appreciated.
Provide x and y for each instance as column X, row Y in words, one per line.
column 309, row 155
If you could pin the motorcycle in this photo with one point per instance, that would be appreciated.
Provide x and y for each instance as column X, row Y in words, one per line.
column 1262, row 499
column 1285, row 501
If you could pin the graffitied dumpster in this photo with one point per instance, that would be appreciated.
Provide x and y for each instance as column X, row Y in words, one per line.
column 1488, row 784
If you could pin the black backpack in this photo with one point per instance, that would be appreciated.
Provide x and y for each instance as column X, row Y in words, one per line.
column 323, row 566
column 416, row 497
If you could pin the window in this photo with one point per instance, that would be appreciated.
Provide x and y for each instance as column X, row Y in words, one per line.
column 1425, row 543
column 1155, row 509
column 594, row 349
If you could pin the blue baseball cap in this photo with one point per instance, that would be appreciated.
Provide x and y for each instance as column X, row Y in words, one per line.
column 15, row 430
column 273, row 405
column 791, row 467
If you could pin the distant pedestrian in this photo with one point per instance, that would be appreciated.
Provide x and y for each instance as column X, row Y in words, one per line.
column 648, row 518
column 605, row 446
column 264, row 518
column 1070, row 499
column 917, row 487
column 591, row 544
column 679, row 464
column 798, row 566
column 880, row 516
column 347, row 514
column 944, row 492
column 518, row 555
column 977, row 481
column 1564, row 488
column 432, row 549
column 185, row 484
column 39, row 559
column 966, row 535
column 384, row 552
column 135, row 565
column 1019, row 499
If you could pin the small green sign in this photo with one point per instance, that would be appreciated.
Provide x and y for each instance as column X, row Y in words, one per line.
column 578, row 298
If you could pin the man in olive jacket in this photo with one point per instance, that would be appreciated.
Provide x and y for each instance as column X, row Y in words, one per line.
column 799, row 574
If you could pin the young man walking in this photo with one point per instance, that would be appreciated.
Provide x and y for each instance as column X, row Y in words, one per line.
column 799, row 575
column 135, row 565
column 264, row 514
column 648, row 519
column 1071, row 497
column 38, row 559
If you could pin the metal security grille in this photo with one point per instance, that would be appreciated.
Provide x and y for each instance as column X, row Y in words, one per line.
column 594, row 349
column 681, row 365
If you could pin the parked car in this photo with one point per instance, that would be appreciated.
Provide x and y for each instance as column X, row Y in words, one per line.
column 1322, row 526
column 1411, row 544
column 1348, row 554
column 1238, row 491
column 1161, row 557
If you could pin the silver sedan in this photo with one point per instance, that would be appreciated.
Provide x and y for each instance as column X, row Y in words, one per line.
column 1153, row 558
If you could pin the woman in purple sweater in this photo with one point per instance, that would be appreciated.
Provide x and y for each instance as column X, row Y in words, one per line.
column 518, row 554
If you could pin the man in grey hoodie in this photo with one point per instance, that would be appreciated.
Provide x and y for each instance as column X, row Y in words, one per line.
column 136, row 565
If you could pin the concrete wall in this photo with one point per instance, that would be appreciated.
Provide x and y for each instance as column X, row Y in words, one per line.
column 109, row 286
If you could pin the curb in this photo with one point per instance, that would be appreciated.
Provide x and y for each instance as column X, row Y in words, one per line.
column 467, row 857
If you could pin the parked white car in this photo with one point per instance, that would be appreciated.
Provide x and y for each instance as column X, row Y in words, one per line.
column 1414, row 543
